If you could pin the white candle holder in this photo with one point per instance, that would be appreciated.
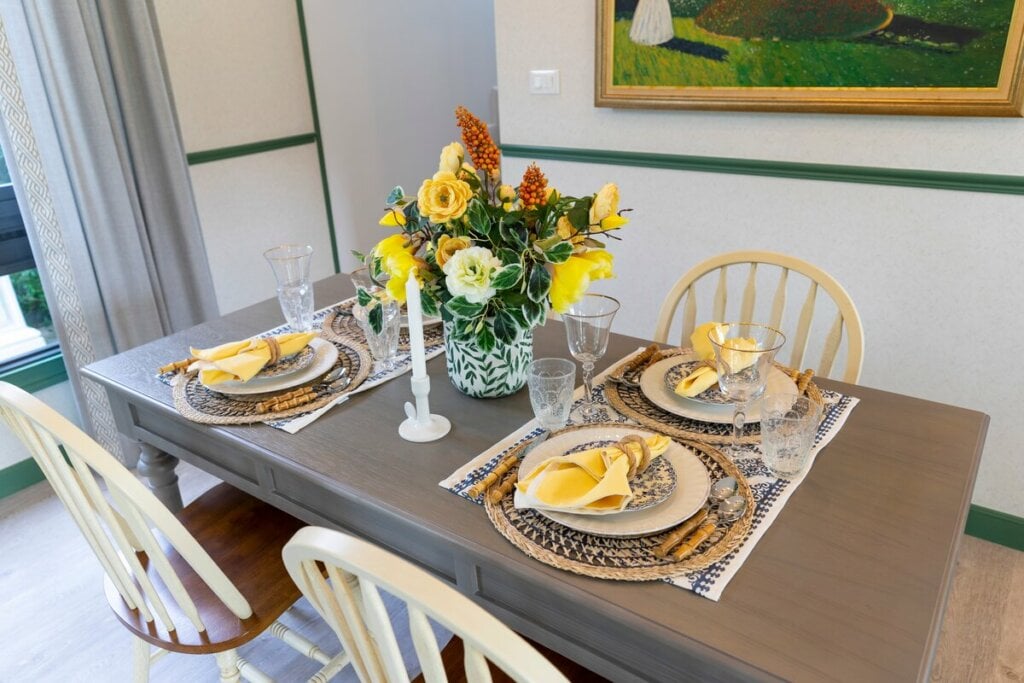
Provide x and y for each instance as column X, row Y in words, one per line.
column 421, row 426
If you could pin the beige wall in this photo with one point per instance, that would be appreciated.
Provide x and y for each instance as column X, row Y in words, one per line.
column 238, row 77
column 935, row 274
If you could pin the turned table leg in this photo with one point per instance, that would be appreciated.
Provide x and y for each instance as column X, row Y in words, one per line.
column 158, row 469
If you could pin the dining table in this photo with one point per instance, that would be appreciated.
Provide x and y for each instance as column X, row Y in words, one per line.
column 849, row 583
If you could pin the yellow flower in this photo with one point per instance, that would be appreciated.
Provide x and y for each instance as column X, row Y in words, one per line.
column 397, row 261
column 506, row 193
column 447, row 246
column 394, row 218
column 566, row 231
column 572, row 278
column 444, row 197
column 451, row 158
column 392, row 245
column 604, row 211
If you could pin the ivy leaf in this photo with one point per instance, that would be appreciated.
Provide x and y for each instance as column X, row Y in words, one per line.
column 485, row 338
column 376, row 319
column 508, row 256
column 478, row 219
column 395, row 195
column 505, row 328
column 559, row 253
column 363, row 297
column 428, row 304
column 512, row 235
column 461, row 308
column 508, row 277
column 534, row 313
column 539, row 284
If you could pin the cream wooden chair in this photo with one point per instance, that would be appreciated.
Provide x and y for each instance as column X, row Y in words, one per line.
column 349, row 600
column 210, row 579
column 846, row 317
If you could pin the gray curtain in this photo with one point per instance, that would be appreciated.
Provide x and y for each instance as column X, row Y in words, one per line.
column 90, row 131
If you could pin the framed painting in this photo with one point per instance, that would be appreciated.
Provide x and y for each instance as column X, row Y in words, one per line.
column 932, row 57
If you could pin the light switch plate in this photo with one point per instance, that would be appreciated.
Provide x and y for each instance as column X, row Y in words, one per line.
column 544, row 82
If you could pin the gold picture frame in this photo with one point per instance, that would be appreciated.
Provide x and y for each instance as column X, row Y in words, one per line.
column 641, row 83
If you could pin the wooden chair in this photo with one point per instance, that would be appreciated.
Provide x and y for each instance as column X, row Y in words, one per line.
column 212, row 579
column 349, row 600
column 846, row 317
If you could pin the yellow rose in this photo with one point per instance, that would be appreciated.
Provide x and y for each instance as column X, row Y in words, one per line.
column 571, row 279
column 506, row 193
column 394, row 218
column 604, row 211
column 443, row 197
column 566, row 231
column 451, row 158
column 447, row 246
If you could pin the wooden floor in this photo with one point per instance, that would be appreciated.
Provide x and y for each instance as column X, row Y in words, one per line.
column 55, row 624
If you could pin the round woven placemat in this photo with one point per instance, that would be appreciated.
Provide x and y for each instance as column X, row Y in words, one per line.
column 200, row 404
column 339, row 323
column 623, row 559
column 631, row 402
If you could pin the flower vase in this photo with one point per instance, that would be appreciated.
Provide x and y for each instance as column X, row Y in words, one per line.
column 502, row 371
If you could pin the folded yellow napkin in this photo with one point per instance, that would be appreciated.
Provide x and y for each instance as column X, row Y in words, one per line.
column 705, row 377
column 592, row 480
column 242, row 360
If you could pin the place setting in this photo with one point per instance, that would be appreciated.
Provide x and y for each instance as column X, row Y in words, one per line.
column 588, row 488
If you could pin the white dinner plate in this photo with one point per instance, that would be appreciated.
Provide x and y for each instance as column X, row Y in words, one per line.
column 326, row 355
column 692, row 485
column 652, row 384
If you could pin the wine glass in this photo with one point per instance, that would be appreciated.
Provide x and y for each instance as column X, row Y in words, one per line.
column 587, row 323
column 743, row 357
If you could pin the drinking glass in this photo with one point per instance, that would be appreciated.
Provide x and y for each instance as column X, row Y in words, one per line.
column 384, row 344
column 587, row 323
column 294, row 288
column 551, row 382
column 788, row 426
column 743, row 357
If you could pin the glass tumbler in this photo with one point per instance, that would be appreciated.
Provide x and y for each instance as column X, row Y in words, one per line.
column 551, row 382
column 788, row 426
column 294, row 288
column 384, row 344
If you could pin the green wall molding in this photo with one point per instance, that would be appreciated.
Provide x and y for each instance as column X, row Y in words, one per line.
column 19, row 476
column 316, row 128
column 936, row 180
column 996, row 526
column 38, row 374
column 206, row 156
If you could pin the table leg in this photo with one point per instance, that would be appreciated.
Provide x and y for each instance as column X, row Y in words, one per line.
column 158, row 469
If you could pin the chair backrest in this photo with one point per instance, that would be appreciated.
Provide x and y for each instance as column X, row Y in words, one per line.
column 349, row 600
column 798, row 334
column 117, row 529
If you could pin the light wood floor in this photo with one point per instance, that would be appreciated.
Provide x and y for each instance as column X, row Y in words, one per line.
column 55, row 624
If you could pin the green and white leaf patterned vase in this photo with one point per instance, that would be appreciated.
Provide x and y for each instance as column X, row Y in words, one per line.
column 502, row 371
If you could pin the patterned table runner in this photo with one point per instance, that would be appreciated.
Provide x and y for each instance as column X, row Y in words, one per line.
column 342, row 334
column 770, row 493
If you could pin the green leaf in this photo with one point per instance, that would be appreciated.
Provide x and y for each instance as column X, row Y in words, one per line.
column 505, row 327
column 363, row 297
column 579, row 216
column 513, row 235
column 478, row 219
column 534, row 313
column 539, row 284
column 508, row 277
column 559, row 253
column 376, row 319
column 508, row 256
column 428, row 304
column 395, row 195
column 485, row 338
column 359, row 255
column 594, row 244
column 461, row 308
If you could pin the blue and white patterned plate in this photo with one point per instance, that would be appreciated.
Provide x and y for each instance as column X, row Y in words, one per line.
column 289, row 364
column 712, row 395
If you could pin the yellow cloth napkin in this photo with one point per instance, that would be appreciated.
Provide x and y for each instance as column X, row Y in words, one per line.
column 705, row 377
column 242, row 360
column 593, row 480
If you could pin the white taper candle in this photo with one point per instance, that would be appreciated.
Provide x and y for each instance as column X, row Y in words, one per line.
column 414, row 311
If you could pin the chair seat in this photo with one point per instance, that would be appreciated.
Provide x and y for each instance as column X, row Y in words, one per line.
column 453, row 653
column 244, row 536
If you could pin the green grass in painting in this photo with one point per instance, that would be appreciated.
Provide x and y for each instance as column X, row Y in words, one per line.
column 827, row 63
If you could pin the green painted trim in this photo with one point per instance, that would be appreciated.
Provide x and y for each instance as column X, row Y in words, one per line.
column 995, row 526
column 19, row 476
column 319, row 139
column 248, row 148
column 39, row 374
column 939, row 180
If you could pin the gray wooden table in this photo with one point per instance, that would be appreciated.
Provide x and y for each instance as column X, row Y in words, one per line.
column 849, row 583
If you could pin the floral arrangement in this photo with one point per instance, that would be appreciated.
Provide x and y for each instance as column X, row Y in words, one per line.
column 491, row 259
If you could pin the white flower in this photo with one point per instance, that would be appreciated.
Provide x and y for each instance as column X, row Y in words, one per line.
column 470, row 272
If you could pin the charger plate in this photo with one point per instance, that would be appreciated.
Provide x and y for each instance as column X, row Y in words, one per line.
column 623, row 559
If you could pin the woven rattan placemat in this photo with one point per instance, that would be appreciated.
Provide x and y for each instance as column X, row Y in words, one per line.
column 202, row 404
column 341, row 324
column 624, row 559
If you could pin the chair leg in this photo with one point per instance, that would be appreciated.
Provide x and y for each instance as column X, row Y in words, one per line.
column 140, row 660
column 228, row 663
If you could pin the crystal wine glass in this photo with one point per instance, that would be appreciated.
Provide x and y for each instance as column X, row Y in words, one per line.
column 587, row 324
column 743, row 355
